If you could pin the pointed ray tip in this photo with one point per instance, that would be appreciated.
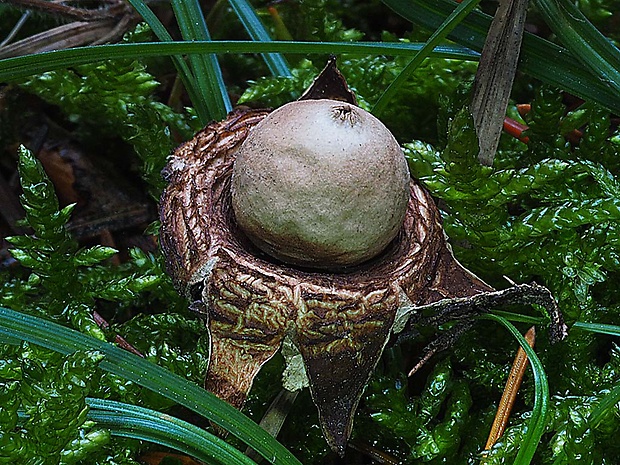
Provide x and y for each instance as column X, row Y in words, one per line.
column 337, row 425
column 337, row 443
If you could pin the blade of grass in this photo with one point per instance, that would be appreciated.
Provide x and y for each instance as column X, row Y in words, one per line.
column 153, row 377
column 538, row 420
column 19, row 67
column 563, row 73
column 518, row 317
column 206, row 69
column 251, row 22
column 540, row 58
column 495, row 76
column 149, row 425
column 459, row 13
column 13, row 33
column 600, row 328
column 607, row 406
column 184, row 72
column 585, row 42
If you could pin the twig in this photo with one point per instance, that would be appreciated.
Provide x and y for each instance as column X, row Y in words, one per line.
column 120, row 340
column 61, row 37
column 114, row 8
column 91, row 26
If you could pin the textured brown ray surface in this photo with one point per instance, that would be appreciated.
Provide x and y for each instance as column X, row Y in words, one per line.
column 195, row 173
column 340, row 322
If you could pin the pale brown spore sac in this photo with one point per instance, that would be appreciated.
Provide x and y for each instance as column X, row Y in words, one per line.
column 320, row 184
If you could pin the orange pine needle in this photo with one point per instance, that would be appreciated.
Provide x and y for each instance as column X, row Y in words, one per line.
column 524, row 108
column 510, row 392
column 574, row 137
column 515, row 129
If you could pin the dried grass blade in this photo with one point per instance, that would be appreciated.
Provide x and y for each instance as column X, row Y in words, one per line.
column 496, row 72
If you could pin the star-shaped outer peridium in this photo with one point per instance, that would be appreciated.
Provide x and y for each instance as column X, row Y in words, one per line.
column 339, row 322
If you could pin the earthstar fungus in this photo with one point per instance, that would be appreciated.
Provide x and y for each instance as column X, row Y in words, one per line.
column 339, row 321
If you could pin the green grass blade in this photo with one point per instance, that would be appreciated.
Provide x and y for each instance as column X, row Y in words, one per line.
column 607, row 406
column 19, row 67
column 149, row 425
column 459, row 13
column 600, row 328
column 538, row 420
column 518, row 317
column 153, row 377
column 251, row 22
column 585, row 42
column 184, row 72
column 206, row 69
column 540, row 58
column 153, row 21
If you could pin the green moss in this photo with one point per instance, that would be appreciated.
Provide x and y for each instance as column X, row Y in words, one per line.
column 43, row 413
column 67, row 283
column 546, row 211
